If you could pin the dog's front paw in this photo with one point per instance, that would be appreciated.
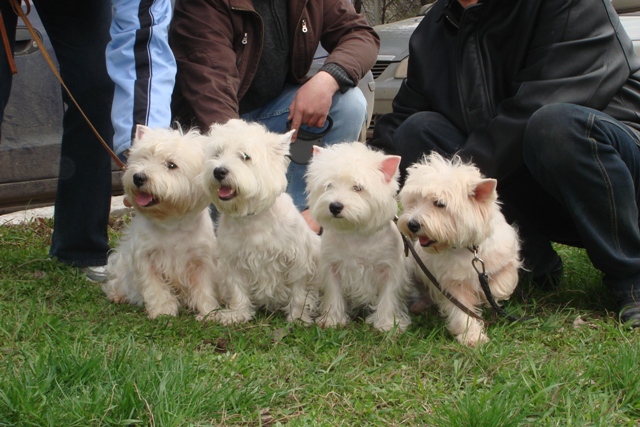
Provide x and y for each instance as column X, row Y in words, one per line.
column 305, row 318
column 385, row 325
column 117, row 298
column 208, row 317
column 472, row 339
column 168, row 309
column 332, row 320
column 230, row 317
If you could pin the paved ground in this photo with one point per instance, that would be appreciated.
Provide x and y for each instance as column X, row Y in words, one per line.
column 47, row 212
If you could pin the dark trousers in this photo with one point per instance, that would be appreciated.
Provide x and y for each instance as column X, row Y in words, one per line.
column 79, row 32
column 579, row 185
column 9, row 20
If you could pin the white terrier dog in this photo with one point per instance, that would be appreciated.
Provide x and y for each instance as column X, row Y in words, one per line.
column 269, row 254
column 352, row 196
column 450, row 208
column 166, row 255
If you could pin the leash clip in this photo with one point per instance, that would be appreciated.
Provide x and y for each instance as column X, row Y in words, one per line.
column 477, row 260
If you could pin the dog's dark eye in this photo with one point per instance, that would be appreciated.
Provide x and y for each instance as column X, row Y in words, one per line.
column 245, row 156
column 439, row 204
column 171, row 165
column 357, row 188
column 328, row 186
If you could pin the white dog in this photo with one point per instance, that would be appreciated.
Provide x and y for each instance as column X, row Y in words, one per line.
column 352, row 196
column 269, row 254
column 450, row 208
column 166, row 256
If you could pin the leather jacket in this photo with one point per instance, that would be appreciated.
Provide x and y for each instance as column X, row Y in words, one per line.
column 218, row 43
column 490, row 68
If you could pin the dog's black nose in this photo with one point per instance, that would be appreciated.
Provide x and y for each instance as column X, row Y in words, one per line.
column 413, row 226
column 336, row 208
column 139, row 179
column 220, row 172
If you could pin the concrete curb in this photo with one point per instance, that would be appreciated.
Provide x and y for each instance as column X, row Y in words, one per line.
column 118, row 209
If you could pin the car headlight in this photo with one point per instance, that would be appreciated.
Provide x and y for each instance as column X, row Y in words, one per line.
column 401, row 71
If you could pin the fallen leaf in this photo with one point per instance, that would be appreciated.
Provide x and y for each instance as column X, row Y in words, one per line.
column 279, row 334
column 220, row 345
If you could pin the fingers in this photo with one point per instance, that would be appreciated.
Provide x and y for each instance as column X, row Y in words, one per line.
column 295, row 117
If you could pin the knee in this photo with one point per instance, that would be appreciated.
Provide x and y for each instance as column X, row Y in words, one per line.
column 548, row 140
column 425, row 132
column 349, row 112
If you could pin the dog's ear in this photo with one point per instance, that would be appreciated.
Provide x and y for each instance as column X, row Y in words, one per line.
column 485, row 190
column 288, row 135
column 285, row 141
column 281, row 143
column 317, row 150
column 141, row 130
column 389, row 167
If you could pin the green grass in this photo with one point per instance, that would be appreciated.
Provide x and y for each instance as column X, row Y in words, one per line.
column 68, row 357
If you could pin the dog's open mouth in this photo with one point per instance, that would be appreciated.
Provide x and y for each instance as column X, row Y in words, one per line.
column 145, row 200
column 425, row 241
column 226, row 193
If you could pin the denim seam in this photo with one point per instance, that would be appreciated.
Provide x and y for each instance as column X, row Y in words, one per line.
column 626, row 129
column 606, row 179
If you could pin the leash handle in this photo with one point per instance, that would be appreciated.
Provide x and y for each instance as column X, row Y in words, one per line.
column 301, row 151
column 18, row 10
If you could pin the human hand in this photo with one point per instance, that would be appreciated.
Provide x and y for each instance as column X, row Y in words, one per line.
column 311, row 104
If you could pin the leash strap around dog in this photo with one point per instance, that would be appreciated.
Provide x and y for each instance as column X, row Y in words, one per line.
column 434, row 281
column 483, row 277
column 18, row 10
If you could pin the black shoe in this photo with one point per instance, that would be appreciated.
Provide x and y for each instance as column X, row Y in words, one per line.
column 550, row 278
column 630, row 313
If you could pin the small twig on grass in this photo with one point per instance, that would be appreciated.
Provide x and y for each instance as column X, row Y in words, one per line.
column 153, row 423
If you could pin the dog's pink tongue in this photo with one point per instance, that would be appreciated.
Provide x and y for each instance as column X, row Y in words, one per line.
column 424, row 241
column 143, row 199
column 225, row 192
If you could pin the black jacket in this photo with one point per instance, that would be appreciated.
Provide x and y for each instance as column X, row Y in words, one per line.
column 503, row 60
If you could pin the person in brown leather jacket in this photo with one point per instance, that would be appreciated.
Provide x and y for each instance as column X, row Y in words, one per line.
column 249, row 59
column 543, row 95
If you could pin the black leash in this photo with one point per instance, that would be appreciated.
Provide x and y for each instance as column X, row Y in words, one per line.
column 434, row 281
column 483, row 277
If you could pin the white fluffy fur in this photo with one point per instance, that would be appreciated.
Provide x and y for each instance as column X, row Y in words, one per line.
column 166, row 256
column 361, row 260
column 448, row 206
column 269, row 254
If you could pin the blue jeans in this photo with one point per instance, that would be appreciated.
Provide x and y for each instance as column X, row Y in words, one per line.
column 83, row 197
column 348, row 111
column 579, row 185
column 590, row 163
